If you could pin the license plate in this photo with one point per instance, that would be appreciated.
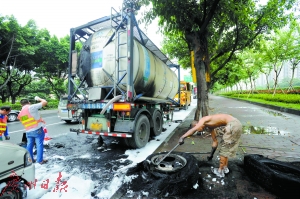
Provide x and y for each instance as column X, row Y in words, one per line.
column 64, row 110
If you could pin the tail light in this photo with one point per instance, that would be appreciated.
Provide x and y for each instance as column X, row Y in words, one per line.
column 122, row 107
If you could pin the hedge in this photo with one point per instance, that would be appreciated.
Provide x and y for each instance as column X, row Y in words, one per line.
column 53, row 104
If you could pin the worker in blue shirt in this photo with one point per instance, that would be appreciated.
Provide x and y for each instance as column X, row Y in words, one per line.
column 4, row 110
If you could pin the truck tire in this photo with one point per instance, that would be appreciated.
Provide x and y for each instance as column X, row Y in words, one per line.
column 141, row 134
column 281, row 178
column 165, row 184
column 157, row 123
column 14, row 190
column 124, row 142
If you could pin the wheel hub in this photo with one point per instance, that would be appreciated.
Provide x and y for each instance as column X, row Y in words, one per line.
column 171, row 163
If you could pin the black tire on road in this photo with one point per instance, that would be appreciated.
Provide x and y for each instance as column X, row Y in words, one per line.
column 281, row 178
column 68, row 121
column 14, row 190
column 157, row 123
column 141, row 134
column 160, row 183
column 125, row 142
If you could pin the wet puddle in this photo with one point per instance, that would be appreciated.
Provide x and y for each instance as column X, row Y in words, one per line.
column 263, row 130
column 274, row 113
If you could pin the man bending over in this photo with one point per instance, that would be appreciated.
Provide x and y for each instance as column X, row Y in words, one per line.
column 230, row 138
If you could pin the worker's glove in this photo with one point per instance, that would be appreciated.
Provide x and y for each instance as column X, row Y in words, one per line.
column 36, row 98
column 7, row 137
column 213, row 150
column 181, row 141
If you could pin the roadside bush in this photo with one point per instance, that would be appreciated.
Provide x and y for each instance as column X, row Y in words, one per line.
column 285, row 98
column 52, row 104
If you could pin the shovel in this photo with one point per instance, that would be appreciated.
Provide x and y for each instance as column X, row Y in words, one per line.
column 157, row 163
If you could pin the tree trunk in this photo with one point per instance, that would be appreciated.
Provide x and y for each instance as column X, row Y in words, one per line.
column 267, row 81
column 291, row 81
column 202, row 102
column 198, row 44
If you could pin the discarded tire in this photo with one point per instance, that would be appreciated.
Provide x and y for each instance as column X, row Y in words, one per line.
column 160, row 183
column 281, row 178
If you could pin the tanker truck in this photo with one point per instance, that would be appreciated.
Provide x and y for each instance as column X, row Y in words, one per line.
column 127, row 83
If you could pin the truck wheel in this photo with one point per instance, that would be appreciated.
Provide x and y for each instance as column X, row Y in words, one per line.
column 281, row 178
column 177, row 174
column 157, row 123
column 124, row 142
column 14, row 190
column 141, row 134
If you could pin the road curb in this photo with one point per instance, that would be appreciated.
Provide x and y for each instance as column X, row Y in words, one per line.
column 277, row 108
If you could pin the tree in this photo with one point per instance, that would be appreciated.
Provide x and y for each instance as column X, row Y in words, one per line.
column 17, row 59
column 293, row 55
column 175, row 47
column 215, row 30
column 278, row 50
column 53, row 62
column 251, row 64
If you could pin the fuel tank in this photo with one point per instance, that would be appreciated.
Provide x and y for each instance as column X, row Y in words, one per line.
column 98, row 64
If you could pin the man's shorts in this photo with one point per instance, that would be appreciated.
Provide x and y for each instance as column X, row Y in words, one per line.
column 231, row 135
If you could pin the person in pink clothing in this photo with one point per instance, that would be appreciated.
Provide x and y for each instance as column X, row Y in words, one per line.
column 33, row 124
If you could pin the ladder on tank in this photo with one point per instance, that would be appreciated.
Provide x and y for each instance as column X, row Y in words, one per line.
column 124, row 23
column 119, row 23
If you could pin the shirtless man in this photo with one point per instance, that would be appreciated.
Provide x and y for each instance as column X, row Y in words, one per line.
column 230, row 138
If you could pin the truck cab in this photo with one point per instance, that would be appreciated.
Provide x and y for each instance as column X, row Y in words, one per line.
column 185, row 96
column 17, row 172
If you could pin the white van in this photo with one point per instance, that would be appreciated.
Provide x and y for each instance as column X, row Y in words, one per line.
column 66, row 115
column 17, row 172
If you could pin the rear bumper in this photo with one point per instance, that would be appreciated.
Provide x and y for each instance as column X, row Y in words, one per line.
column 111, row 134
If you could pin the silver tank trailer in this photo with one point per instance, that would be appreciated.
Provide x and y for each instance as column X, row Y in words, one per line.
column 151, row 76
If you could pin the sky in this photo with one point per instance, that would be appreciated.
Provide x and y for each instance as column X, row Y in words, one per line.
column 59, row 16
column 79, row 184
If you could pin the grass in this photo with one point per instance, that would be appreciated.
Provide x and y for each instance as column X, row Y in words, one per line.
column 295, row 106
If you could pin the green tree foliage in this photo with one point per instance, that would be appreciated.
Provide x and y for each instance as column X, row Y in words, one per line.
column 293, row 55
column 215, row 30
column 17, row 56
column 53, row 63
column 250, row 65
column 26, row 54
column 277, row 50
column 175, row 46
